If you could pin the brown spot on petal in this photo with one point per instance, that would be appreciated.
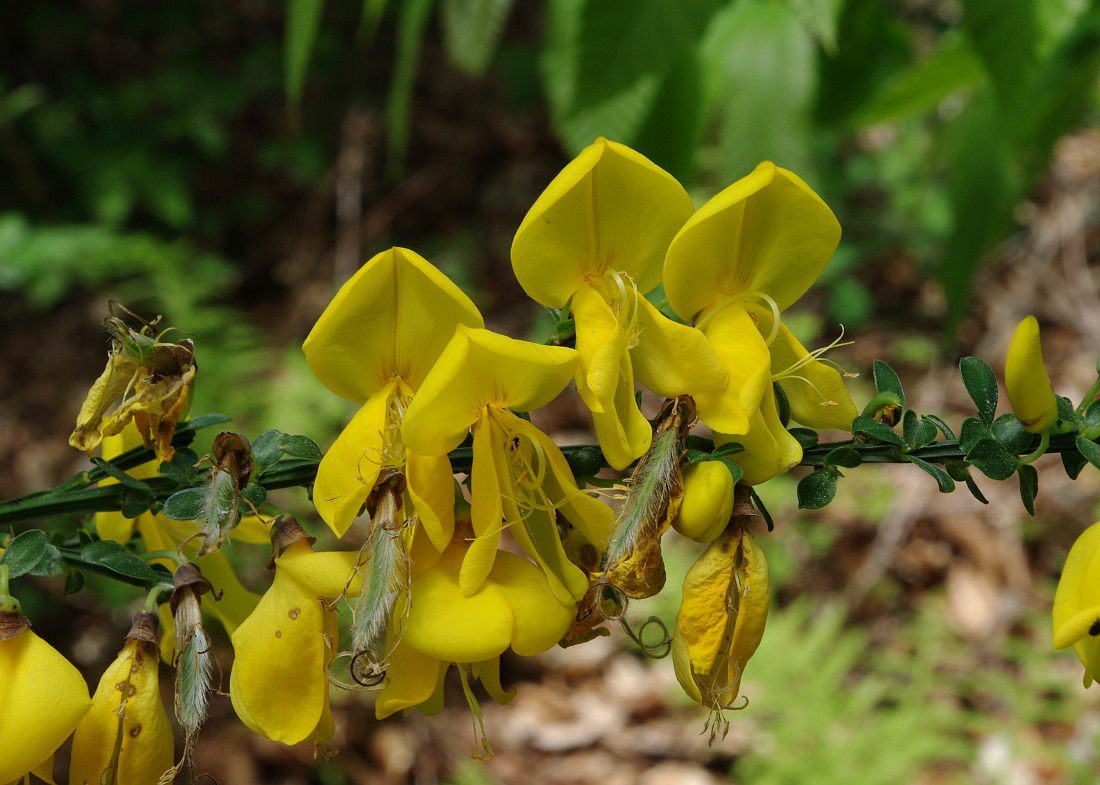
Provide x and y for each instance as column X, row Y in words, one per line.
column 134, row 731
column 278, row 634
column 294, row 613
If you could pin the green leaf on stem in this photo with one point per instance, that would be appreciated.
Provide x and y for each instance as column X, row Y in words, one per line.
column 972, row 431
column 1073, row 462
column 876, row 430
column 762, row 508
column 266, row 451
column 887, row 381
column 24, row 552
column 1009, row 432
column 1029, row 487
column 74, row 581
column 917, row 432
column 301, row 447
column 816, row 489
column 1066, row 412
column 1089, row 450
column 941, row 477
column 992, row 459
column 806, row 437
column 734, row 470
column 111, row 556
column 944, row 429
column 847, row 457
column 202, row 421
column 136, row 502
column 121, row 476
column 186, row 505
column 254, row 493
column 975, row 491
column 730, row 448
column 981, row 384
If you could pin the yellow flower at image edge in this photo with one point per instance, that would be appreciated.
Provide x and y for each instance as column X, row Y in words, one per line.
column 126, row 732
column 1029, row 391
column 1076, row 614
column 514, row 607
column 278, row 684
column 42, row 699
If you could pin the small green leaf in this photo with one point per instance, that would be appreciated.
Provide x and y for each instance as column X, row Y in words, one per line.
column 942, row 479
column 918, row 432
column 762, row 508
column 975, row 491
column 816, row 490
column 1009, row 432
column 74, row 581
column 944, row 429
column 181, row 470
column 301, row 447
column 1029, row 487
column 585, row 462
column 992, row 459
column 24, row 552
column 51, row 563
column 1091, row 417
column 135, row 503
column 734, row 470
column 806, row 437
column 1066, row 412
column 202, row 421
column 266, row 451
column 696, row 456
column 187, row 505
column 957, row 470
column 1073, row 462
column 254, row 493
column 887, row 381
column 109, row 555
column 1089, row 450
column 121, row 476
column 876, row 430
column 782, row 405
column 981, row 384
column 847, row 457
column 971, row 432
column 729, row 448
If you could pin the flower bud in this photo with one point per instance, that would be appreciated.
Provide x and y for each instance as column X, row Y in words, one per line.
column 1076, row 614
column 707, row 503
column 1026, row 380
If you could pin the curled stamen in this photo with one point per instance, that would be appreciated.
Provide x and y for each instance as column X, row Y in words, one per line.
column 626, row 305
column 657, row 650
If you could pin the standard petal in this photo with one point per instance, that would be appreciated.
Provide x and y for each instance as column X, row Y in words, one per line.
column 733, row 335
column 815, row 390
column 766, row 233
column 673, row 359
column 609, row 209
column 478, row 369
column 392, row 318
column 350, row 468
column 42, row 698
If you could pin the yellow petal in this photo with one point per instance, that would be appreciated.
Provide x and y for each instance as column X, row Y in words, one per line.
column 673, row 359
column 322, row 573
column 482, row 369
column 278, row 683
column 432, row 488
column 815, row 390
column 733, row 335
column 1077, row 600
column 236, row 601
column 769, row 448
column 411, row 680
column 488, row 673
column 392, row 318
column 600, row 345
column 1026, row 379
column 768, row 233
column 540, row 620
column 609, row 209
column 594, row 519
column 347, row 473
column 42, row 699
column 143, row 732
column 446, row 624
column 707, row 503
column 488, row 477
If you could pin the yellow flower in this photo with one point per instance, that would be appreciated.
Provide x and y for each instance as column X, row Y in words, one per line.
column 764, row 240
column 1076, row 613
column 42, row 699
column 518, row 473
column 707, row 502
column 278, row 684
column 515, row 606
column 126, row 732
column 1026, row 380
column 596, row 239
column 374, row 345
column 721, row 618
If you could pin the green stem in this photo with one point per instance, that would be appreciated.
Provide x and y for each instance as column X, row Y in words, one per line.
column 1088, row 397
column 1044, row 443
